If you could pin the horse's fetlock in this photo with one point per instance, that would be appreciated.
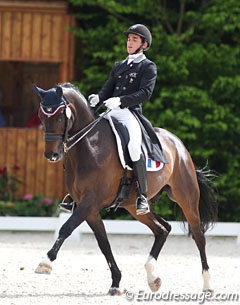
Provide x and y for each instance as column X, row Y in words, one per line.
column 52, row 255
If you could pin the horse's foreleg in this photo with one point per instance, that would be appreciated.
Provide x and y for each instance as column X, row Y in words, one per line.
column 65, row 231
column 96, row 224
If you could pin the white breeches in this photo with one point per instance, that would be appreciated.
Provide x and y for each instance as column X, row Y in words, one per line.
column 135, row 134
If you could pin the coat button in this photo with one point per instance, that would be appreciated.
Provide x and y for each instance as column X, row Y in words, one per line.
column 117, row 88
column 119, row 76
column 124, row 88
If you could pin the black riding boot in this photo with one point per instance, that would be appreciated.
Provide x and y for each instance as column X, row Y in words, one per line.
column 140, row 173
column 67, row 206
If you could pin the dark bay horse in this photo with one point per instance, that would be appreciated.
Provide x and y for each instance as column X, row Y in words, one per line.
column 93, row 172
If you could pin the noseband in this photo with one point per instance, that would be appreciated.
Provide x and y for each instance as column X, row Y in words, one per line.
column 52, row 136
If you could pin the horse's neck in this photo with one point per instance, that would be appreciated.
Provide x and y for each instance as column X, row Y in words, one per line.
column 82, row 114
column 100, row 140
column 83, row 117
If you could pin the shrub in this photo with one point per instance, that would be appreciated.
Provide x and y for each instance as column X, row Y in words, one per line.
column 29, row 205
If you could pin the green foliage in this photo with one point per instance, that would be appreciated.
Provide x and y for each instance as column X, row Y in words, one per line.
column 38, row 205
column 29, row 205
column 196, row 46
column 9, row 182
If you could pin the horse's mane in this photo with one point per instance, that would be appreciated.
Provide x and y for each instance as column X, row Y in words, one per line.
column 69, row 85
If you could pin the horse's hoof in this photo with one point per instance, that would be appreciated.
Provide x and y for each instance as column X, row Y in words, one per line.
column 113, row 291
column 154, row 286
column 43, row 269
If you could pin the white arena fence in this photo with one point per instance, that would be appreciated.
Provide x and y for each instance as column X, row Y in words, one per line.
column 53, row 224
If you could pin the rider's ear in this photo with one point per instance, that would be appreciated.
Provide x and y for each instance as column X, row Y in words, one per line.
column 59, row 91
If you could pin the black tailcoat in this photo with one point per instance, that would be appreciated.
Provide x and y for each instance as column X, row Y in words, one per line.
column 134, row 84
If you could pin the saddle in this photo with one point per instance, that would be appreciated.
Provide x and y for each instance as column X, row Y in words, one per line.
column 122, row 138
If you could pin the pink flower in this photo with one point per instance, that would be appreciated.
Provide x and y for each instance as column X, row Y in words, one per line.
column 3, row 170
column 46, row 200
column 16, row 167
column 27, row 197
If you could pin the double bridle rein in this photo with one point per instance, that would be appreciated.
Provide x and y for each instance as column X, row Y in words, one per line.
column 82, row 133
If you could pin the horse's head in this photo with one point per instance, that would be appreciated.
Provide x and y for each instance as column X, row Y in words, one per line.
column 56, row 116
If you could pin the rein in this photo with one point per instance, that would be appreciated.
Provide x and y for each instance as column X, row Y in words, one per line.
column 83, row 132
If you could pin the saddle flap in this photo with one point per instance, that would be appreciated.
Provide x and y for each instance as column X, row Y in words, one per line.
column 122, row 139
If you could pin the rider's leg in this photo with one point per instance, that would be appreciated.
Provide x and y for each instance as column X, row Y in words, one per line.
column 135, row 151
column 67, row 206
column 140, row 174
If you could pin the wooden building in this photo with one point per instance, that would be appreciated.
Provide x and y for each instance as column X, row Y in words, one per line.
column 36, row 46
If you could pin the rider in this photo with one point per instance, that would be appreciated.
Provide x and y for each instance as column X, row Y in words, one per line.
column 130, row 83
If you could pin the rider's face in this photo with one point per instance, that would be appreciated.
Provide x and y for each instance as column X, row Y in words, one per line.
column 133, row 43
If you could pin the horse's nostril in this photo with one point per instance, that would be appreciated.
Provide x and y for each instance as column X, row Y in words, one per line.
column 51, row 156
column 54, row 157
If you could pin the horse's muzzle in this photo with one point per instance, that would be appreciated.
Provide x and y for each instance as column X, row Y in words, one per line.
column 53, row 150
column 52, row 157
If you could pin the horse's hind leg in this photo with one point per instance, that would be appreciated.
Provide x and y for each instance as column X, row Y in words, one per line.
column 194, row 222
column 160, row 229
column 97, row 226
column 188, row 196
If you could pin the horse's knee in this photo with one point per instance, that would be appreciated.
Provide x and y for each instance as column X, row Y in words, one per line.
column 65, row 231
column 68, row 227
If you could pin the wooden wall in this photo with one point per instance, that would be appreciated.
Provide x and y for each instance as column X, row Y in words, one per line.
column 36, row 46
column 36, row 31
column 24, row 148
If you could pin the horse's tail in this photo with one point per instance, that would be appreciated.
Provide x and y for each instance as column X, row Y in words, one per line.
column 208, row 207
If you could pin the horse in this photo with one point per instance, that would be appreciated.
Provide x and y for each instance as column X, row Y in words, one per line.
column 87, row 146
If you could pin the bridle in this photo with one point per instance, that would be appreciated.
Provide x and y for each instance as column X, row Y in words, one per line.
column 52, row 136
column 66, row 140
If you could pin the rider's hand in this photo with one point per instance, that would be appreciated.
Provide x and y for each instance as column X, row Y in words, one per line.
column 93, row 100
column 112, row 102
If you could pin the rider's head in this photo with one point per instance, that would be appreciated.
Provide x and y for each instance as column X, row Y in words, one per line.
column 139, row 38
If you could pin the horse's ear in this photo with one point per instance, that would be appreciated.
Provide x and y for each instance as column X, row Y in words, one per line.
column 59, row 91
column 39, row 91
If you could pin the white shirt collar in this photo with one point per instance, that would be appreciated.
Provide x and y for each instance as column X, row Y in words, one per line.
column 134, row 57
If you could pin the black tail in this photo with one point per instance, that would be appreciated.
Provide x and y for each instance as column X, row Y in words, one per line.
column 208, row 207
